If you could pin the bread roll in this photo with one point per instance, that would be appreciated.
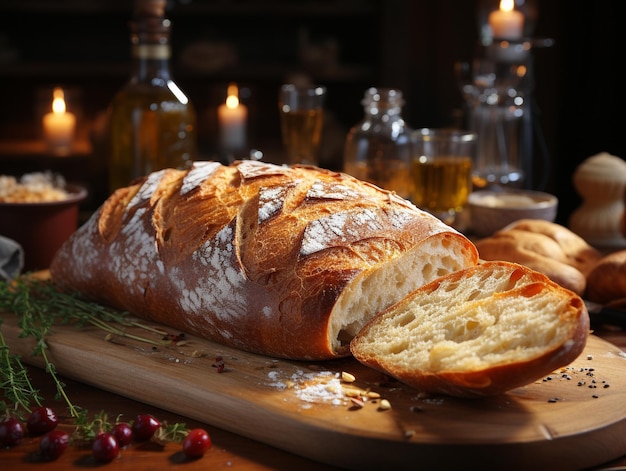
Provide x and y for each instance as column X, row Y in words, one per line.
column 576, row 251
column 477, row 332
column 284, row 261
column 544, row 246
column 607, row 281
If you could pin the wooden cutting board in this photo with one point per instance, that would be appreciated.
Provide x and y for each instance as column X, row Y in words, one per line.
column 573, row 419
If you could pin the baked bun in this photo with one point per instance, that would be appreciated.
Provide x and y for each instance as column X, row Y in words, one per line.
column 576, row 251
column 546, row 247
column 284, row 261
column 607, row 281
column 480, row 331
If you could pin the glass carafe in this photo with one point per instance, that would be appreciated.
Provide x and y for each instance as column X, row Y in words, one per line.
column 378, row 149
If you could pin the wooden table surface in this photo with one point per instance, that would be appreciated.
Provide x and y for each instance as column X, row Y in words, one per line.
column 229, row 451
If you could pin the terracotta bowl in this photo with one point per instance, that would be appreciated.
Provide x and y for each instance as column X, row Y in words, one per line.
column 41, row 228
column 491, row 211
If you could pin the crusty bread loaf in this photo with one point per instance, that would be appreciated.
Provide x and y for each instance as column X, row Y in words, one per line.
column 544, row 246
column 480, row 331
column 284, row 261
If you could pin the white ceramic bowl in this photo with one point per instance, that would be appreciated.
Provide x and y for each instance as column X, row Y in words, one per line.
column 490, row 211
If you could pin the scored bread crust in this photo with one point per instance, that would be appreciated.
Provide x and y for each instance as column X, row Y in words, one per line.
column 478, row 332
column 283, row 261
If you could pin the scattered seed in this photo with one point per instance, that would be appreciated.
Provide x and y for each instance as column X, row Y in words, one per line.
column 347, row 377
column 384, row 405
column 357, row 402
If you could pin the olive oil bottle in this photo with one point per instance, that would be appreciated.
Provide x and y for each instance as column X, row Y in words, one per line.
column 153, row 123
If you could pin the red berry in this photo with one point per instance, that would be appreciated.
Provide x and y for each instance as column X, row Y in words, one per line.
column 123, row 433
column 11, row 431
column 144, row 427
column 196, row 443
column 41, row 420
column 105, row 447
column 53, row 444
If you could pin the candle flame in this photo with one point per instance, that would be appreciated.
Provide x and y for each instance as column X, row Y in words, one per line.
column 232, row 100
column 507, row 5
column 58, row 101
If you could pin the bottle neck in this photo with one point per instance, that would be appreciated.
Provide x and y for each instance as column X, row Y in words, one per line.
column 377, row 111
column 383, row 102
column 151, row 61
column 151, row 49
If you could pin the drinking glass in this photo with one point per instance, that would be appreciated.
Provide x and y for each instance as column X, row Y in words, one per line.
column 441, row 169
column 301, row 118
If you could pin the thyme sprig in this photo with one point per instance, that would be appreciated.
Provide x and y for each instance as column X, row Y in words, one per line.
column 14, row 381
column 39, row 306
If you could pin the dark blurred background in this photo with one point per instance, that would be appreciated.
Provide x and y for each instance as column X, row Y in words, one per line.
column 347, row 45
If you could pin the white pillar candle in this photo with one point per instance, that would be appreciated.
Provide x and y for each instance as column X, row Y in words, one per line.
column 59, row 125
column 232, row 117
column 506, row 22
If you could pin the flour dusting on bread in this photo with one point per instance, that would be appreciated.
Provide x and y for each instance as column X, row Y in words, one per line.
column 284, row 261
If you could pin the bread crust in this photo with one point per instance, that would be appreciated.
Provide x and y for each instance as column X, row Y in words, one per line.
column 253, row 255
column 577, row 252
column 498, row 368
column 607, row 281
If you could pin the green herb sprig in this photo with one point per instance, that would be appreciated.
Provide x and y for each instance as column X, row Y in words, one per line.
column 39, row 306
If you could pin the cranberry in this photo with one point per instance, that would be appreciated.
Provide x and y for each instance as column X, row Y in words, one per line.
column 11, row 431
column 53, row 444
column 105, row 447
column 196, row 443
column 144, row 426
column 41, row 420
column 123, row 433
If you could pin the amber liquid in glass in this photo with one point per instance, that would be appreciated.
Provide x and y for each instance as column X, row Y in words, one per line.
column 301, row 132
column 441, row 185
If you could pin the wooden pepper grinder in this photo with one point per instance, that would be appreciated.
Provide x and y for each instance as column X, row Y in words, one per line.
column 600, row 180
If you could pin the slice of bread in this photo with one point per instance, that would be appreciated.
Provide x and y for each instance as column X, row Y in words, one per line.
column 477, row 332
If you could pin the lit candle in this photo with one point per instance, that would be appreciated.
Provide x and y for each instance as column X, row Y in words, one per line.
column 232, row 117
column 59, row 125
column 506, row 23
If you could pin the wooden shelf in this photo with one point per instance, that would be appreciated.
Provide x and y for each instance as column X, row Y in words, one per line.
column 36, row 149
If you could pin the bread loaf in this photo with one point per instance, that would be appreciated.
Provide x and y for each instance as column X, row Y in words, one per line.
column 544, row 246
column 284, row 261
column 480, row 331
